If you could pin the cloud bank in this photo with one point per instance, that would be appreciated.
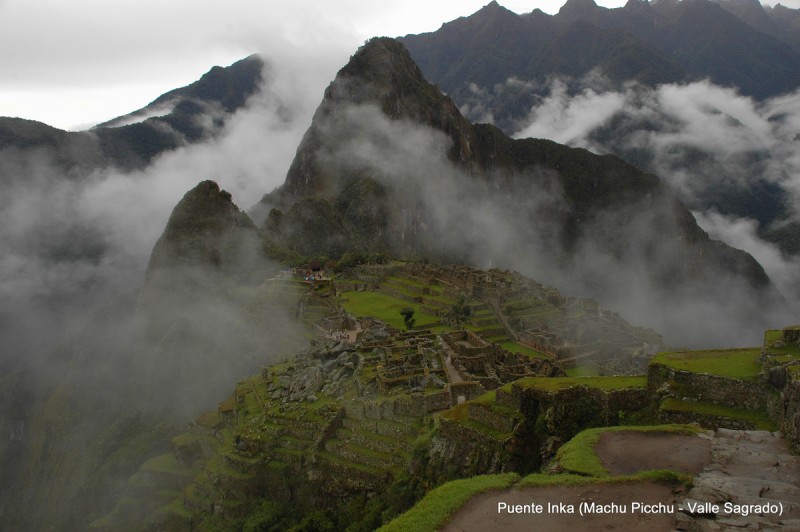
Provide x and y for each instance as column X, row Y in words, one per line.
column 722, row 152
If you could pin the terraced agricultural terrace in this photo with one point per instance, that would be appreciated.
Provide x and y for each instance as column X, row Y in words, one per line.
column 378, row 410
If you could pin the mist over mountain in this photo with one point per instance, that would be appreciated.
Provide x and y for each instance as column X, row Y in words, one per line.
column 178, row 118
column 389, row 164
column 133, row 289
column 720, row 131
column 96, row 376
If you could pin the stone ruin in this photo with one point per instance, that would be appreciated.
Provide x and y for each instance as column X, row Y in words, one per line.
column 791, row 335
column 477, row 360
column 574, row 330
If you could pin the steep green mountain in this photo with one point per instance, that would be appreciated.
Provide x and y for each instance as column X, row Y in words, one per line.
column 207, row 231
column 389, row 164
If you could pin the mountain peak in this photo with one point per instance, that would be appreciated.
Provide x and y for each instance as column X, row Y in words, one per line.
column 378, row 61
column 381, row 73
column 492, row 8
column 638, row 6
column 205, row 230
column 578, row 8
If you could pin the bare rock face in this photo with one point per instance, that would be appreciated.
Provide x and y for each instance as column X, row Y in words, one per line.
column 754, row 473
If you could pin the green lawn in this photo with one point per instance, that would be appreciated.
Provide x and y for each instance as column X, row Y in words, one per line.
column 735, row 363
column 554, row 384
column 581, row 371
column 383, row 307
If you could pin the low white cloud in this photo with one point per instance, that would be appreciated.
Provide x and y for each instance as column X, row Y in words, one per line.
column 742, row 233
column 566, row 119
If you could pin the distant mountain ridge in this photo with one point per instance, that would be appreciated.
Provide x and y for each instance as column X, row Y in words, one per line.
column 174, row 119
column 664, row 41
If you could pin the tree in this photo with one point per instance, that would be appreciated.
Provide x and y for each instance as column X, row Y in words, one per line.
column 461, row 311
column 408, row 317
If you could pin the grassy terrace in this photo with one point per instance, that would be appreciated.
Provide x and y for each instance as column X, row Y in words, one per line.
column 387, row 308
column 581, row 371
column 734, row 363
column 433, row 511
column 578, row 455
column 554, row 384
column 758, row 418
column 787, row 353
column 460, row 413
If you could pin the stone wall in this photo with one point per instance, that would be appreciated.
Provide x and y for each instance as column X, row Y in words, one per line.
column 736, row 393
column 438, row 401
column 790, row 400
column 581, row 406
column 704, row 420
column 494, row 418
column 469, row 390
column 464, row 451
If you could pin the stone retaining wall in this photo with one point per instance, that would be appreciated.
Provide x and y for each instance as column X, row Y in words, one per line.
column 790, row 399
column 736, row 393
column 492, row 418
column 465, row 451
column 708, row 421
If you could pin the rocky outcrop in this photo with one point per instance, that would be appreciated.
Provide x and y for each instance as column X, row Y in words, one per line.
column 749, row 468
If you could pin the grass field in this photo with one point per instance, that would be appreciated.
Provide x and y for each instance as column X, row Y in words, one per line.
column 581, row 371
column 383, row 307
column 734, row 363
column 787, row 353
column 514, row 347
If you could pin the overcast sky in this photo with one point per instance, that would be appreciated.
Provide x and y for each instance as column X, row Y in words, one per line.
column 73, row 64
